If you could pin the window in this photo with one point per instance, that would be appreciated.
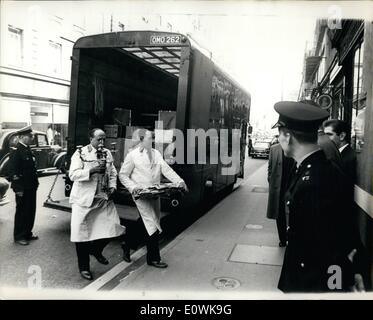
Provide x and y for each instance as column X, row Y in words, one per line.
column 35, row 48
column 42, row 140
column 15, row 46
column 358, row 100
column 264, row 145
column 321, row 70
column 55, row 57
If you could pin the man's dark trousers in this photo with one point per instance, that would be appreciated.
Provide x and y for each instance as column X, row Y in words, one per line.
column 25, row 215
column 85, row 248
column 136, row 234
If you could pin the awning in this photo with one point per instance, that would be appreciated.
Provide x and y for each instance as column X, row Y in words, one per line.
column 312, row 63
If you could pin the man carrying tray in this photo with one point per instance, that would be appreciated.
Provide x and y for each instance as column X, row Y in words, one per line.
column 141, row 169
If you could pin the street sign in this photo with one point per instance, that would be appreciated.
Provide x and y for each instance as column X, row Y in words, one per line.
column 325, row 101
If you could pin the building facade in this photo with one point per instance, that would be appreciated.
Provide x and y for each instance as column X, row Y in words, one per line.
column 36, row 42
column 340, row 66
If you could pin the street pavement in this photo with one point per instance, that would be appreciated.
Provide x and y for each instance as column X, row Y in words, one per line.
column 53, row 254
column 231, row 252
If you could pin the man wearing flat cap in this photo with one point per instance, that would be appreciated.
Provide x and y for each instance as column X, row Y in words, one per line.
column 25, row 182
column 316, row 258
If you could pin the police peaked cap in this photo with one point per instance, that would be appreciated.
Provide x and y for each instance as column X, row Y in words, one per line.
column 24, row 131
column 299, row 116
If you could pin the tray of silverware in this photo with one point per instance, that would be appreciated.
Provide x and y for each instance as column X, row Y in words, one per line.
column 157, row 190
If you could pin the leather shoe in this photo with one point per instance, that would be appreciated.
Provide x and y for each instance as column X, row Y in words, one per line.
column 158, row 264
column 101, row 259
column 33, row 238
column 126, row 253
column 22, row 242
column 86, row 275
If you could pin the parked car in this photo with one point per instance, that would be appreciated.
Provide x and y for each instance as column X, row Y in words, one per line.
column 4, row 186
column 260, row 149
column 274, row 140
column 47, row 156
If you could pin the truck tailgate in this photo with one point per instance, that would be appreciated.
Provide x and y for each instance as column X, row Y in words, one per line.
column 124, row 211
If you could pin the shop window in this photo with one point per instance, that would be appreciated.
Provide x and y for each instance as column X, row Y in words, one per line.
column 358, row 101
column 339, row 99
column 51, row 119
column 15, row 46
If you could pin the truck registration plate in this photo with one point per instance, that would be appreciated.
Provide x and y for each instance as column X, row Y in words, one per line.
column 164, row 39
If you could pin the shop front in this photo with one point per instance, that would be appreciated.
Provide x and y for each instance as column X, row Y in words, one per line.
column 43, row 103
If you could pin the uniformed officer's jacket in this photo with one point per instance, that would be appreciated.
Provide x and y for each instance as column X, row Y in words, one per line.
column 319, row 226
column 22, row 169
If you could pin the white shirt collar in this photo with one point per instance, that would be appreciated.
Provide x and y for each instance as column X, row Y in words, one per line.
column 92, row 148
column 299, row 162
column 142, row 148
column 342, row 148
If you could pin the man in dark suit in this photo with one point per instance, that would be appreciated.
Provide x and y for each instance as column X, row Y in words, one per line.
column 339, row 132
column 316, row 257
column 279, row 168
column 25, row 182
column 250, row 145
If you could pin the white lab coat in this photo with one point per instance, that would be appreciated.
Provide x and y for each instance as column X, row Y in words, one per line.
column 138, row 171
column 92, row 216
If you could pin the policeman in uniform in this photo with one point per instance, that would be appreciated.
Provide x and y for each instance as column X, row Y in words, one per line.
column 316, row 258
column 25, row 182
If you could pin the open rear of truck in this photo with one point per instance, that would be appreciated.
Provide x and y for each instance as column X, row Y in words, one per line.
column 121, row 82
column 128, row 80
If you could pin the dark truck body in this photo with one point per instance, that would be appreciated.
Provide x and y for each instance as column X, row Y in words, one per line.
column 124, row 80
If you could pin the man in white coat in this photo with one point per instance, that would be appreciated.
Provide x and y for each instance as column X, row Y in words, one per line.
column 142, row 168
column 94, row 218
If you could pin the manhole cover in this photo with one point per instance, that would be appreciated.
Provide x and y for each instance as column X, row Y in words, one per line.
column 226, row 283
column 254, row 226
column 260, row 190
